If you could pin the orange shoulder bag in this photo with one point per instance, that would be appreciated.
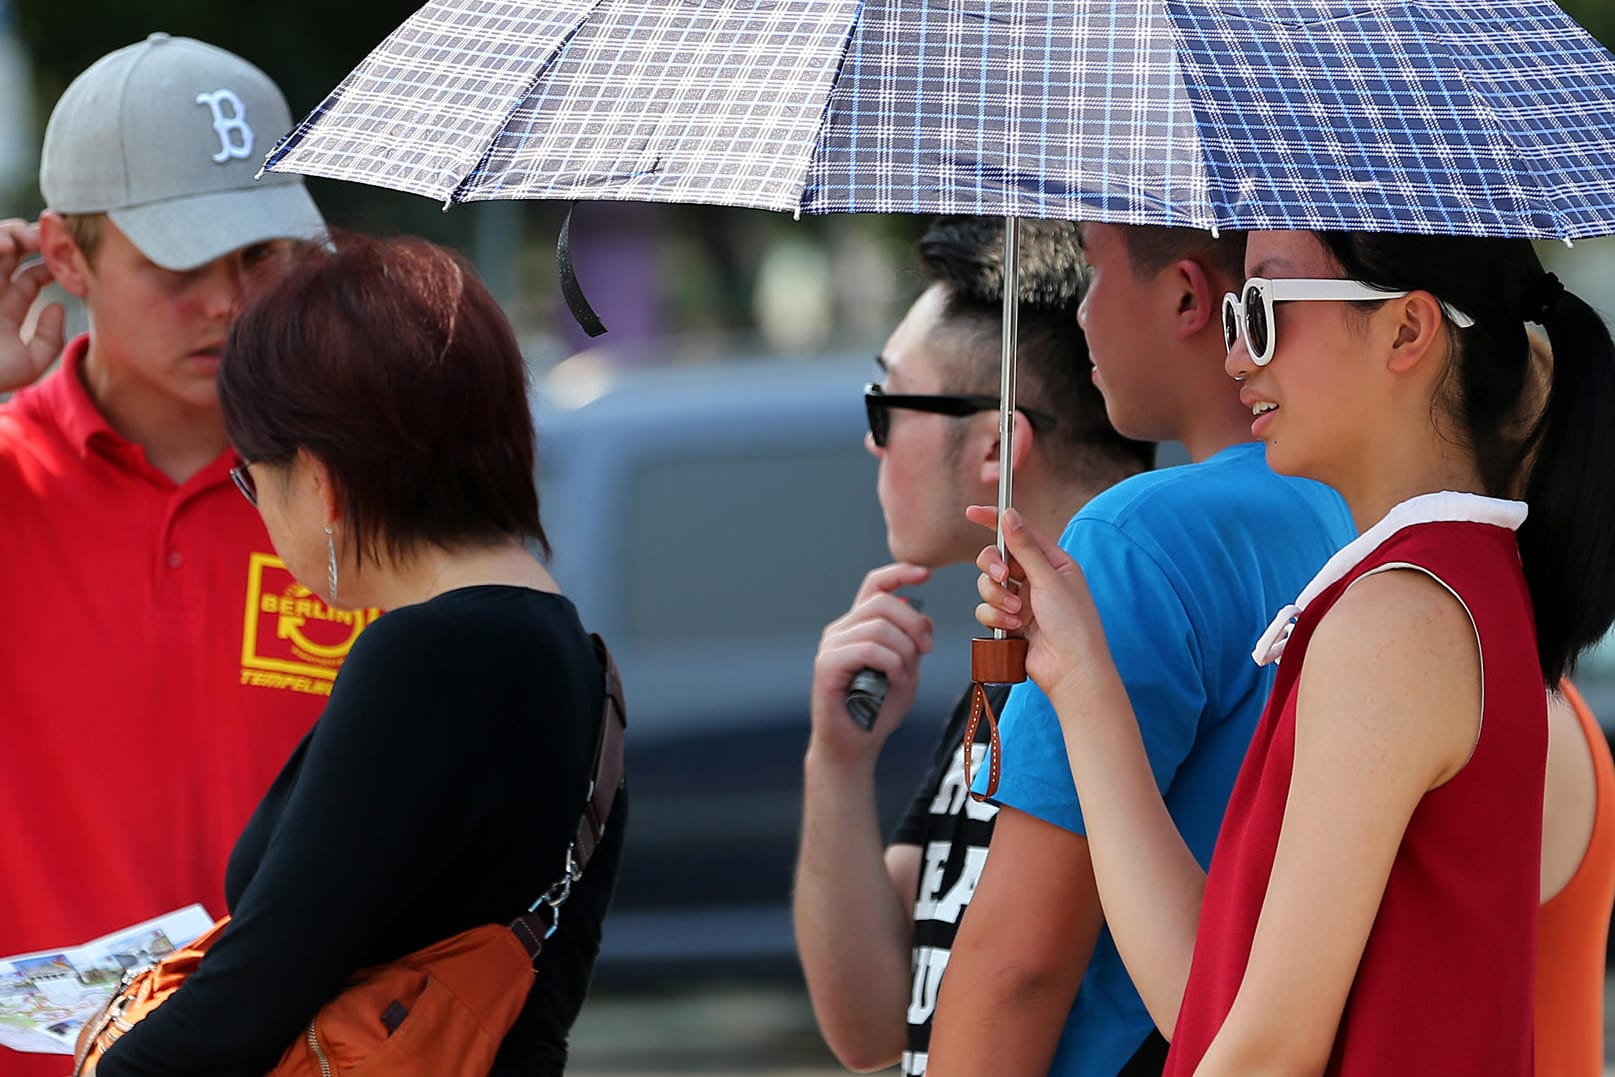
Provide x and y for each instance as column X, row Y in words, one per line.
column 441, row 1011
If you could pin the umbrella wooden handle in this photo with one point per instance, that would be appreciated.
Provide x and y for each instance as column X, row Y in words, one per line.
column 998, row 661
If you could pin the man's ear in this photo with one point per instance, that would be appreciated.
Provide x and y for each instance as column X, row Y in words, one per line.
column 1415, row 328
column 66, row 262
column 1198, row 301
column 1023, row 440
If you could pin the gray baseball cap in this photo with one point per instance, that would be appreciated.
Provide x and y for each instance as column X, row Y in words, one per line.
column 165, row 137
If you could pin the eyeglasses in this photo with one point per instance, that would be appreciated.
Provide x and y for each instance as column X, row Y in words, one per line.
column 878, row 403
column 245, row 482
column 1250, row 314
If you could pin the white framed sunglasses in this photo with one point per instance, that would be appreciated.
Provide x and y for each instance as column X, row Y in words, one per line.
column 1250, row 313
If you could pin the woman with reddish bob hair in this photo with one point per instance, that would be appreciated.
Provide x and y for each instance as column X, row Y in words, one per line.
column 378, row 401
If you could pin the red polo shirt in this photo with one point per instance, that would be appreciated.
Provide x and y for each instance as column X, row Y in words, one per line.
column 157, row 665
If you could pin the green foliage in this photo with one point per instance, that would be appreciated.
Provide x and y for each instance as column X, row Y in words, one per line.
column 1598, row 16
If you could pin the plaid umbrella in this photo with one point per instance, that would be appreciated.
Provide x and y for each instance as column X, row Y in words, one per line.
column 1476, row 117
column 1479, row 117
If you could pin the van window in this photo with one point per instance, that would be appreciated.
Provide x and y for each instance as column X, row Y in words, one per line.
column 729, row 544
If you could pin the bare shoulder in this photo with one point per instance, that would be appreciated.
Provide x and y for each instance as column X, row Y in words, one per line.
column 1397, row 658
column 1397, row 615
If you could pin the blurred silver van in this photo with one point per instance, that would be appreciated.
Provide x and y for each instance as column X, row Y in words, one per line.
column 708, row 521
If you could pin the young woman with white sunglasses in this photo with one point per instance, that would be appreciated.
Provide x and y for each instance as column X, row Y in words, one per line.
column 1372, row 903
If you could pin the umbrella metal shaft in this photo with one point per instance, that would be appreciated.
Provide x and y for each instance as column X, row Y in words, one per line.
column 1006, row 379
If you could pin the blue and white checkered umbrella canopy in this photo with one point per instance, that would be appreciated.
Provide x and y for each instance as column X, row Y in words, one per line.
column 1477, row 117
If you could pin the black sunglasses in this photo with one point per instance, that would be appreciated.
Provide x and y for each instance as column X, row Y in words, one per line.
column 244, row 482
column 878, row 404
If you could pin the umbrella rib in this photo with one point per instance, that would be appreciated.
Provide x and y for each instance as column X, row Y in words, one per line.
column 824, row 111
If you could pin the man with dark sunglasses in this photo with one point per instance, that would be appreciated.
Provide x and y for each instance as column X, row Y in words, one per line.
column 875, row 921
column 879, row 405
column 1187, row 565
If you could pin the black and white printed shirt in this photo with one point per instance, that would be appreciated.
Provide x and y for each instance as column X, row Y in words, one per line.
column 952, row 832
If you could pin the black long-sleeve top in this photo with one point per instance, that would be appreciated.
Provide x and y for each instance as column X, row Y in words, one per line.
column 439, row 790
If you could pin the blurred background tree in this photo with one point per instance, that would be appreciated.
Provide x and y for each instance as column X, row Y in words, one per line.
column 1598, row 16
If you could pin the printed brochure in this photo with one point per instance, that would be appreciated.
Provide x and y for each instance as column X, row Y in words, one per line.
column 46, row 996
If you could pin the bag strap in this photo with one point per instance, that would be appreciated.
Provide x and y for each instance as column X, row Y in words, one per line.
column 606, row 776
column 605, row 779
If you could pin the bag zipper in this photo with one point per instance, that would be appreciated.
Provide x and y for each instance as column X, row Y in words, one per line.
column 319, row 1052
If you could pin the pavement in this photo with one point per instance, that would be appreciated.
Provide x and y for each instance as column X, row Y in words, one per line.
column 730, row 1030
column 723, row 1030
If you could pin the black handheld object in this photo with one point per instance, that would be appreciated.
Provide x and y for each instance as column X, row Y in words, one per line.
column 865, row 694
column 867, row 690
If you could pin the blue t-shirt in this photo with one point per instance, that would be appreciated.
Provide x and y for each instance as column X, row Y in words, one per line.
column 1187, row 565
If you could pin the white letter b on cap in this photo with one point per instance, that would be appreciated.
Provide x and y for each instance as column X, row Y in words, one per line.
column 235, row 137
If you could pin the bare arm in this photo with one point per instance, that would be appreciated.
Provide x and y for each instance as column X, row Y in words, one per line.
column 1367, row 749
column 853, row 903
column 1148, row 881
column 1020, row 955
column 852, row 909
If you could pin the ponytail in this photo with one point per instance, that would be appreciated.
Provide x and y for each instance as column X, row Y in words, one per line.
column 1564, row 464
column 1567, row 543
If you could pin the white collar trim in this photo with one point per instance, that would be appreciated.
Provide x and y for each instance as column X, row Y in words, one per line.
column 1444, row 507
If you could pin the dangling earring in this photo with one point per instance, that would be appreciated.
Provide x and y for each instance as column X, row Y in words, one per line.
column 330, row 564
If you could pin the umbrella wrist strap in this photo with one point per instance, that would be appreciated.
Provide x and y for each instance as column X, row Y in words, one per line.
column 982, row 707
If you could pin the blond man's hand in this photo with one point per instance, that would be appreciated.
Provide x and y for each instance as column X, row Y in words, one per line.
column 27, row 346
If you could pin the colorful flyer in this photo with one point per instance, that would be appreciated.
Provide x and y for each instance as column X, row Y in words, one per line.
column 46, row 996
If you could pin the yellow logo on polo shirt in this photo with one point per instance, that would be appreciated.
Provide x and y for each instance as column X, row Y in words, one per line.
column 290, row 638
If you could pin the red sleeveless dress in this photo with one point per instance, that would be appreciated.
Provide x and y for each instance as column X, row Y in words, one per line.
column 1446, row 979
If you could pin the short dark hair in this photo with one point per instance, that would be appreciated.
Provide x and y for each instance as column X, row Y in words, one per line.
column 966, row 256
column 1153, row 247
column 1567, row 543
column 389, row 362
